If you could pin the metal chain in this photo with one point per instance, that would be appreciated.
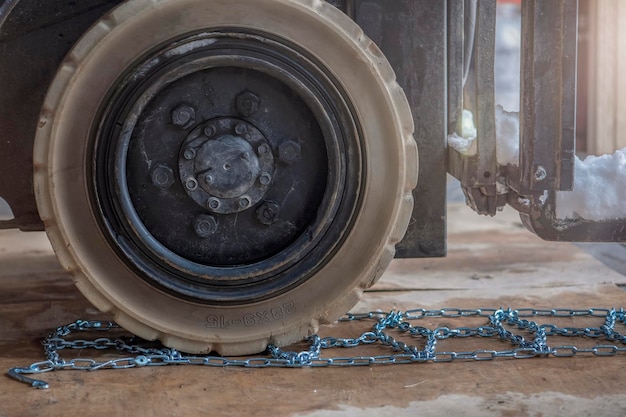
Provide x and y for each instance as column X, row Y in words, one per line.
column 499, row 321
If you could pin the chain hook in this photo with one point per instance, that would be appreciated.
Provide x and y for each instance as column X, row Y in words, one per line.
column 18, row 375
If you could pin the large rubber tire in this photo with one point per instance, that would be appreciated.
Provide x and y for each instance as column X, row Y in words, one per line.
column 64, row 189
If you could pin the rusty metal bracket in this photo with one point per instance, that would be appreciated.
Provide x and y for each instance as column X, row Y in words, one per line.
column 548, row 102
column 477, row 170
column 548, row 123
column 542, row 221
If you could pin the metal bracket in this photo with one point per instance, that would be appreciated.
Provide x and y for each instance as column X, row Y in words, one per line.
column 548, row 123
column 548, row 102
column 477, row 171
column 542, row 221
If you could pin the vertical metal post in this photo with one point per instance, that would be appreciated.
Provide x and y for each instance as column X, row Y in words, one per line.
column 477, row 169
column 456, row 63
column 412, row 35
column 484, row 100
column 548, row 103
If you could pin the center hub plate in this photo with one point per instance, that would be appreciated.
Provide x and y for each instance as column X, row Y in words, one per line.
column 225, row 165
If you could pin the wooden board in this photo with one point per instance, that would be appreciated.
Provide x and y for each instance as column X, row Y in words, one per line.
column 606, row 85
column 491, row 263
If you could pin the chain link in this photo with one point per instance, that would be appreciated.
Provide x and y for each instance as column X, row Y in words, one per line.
column 500, row 323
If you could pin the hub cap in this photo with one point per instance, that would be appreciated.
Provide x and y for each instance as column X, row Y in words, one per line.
column 226, row 165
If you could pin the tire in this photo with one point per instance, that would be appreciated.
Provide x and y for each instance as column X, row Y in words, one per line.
column 155, row 96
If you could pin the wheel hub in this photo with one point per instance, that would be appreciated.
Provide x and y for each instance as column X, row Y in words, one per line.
column 225, row 165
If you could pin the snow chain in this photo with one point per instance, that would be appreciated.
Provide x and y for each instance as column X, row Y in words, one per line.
column 498, row 323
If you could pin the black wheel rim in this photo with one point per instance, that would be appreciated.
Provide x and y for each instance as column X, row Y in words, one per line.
column 227, row 167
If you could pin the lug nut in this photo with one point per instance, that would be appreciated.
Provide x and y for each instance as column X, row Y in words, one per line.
column 162, row 176
column 247, row 103
column 189, row 153
column 268, row 212
column 205, row 225
column 209, row 131
column 263, row 149
column 213, row 203
column 183, row 116
column 240, row 129
column 191, row 184
column 244, row 202
column 289, row 151
column 265, row 179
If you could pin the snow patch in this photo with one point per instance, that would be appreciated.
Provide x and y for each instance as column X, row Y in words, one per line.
column 507, row 136
column 599, row 189
column 464, row 143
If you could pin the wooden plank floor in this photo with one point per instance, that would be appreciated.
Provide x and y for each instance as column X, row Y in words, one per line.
column 491, row 263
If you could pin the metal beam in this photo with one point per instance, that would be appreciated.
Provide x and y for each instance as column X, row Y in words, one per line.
column 548, row 103
column 412, row 35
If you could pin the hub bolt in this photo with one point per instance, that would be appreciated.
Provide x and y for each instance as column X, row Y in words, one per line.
column 183, row 116
column 189, row 154
column 205, row 225
column 263, row 149
column 213, row 203
column 191, row 184
column 244, row 202
column 268, row 212
column 209, row 131
column 265, row 179
column 162, row 176
column 247, row 103
column 240, row 129
column 289, row 151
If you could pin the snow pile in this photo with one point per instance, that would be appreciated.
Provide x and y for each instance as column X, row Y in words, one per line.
column 507, row 136
column 463, row 143
column 467, row 125
column 599, row 189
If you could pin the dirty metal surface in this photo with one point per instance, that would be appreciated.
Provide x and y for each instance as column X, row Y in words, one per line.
column 490, row 263
column 548, row 102
column 478, row 171
column 33, row 40
column 417, row 53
